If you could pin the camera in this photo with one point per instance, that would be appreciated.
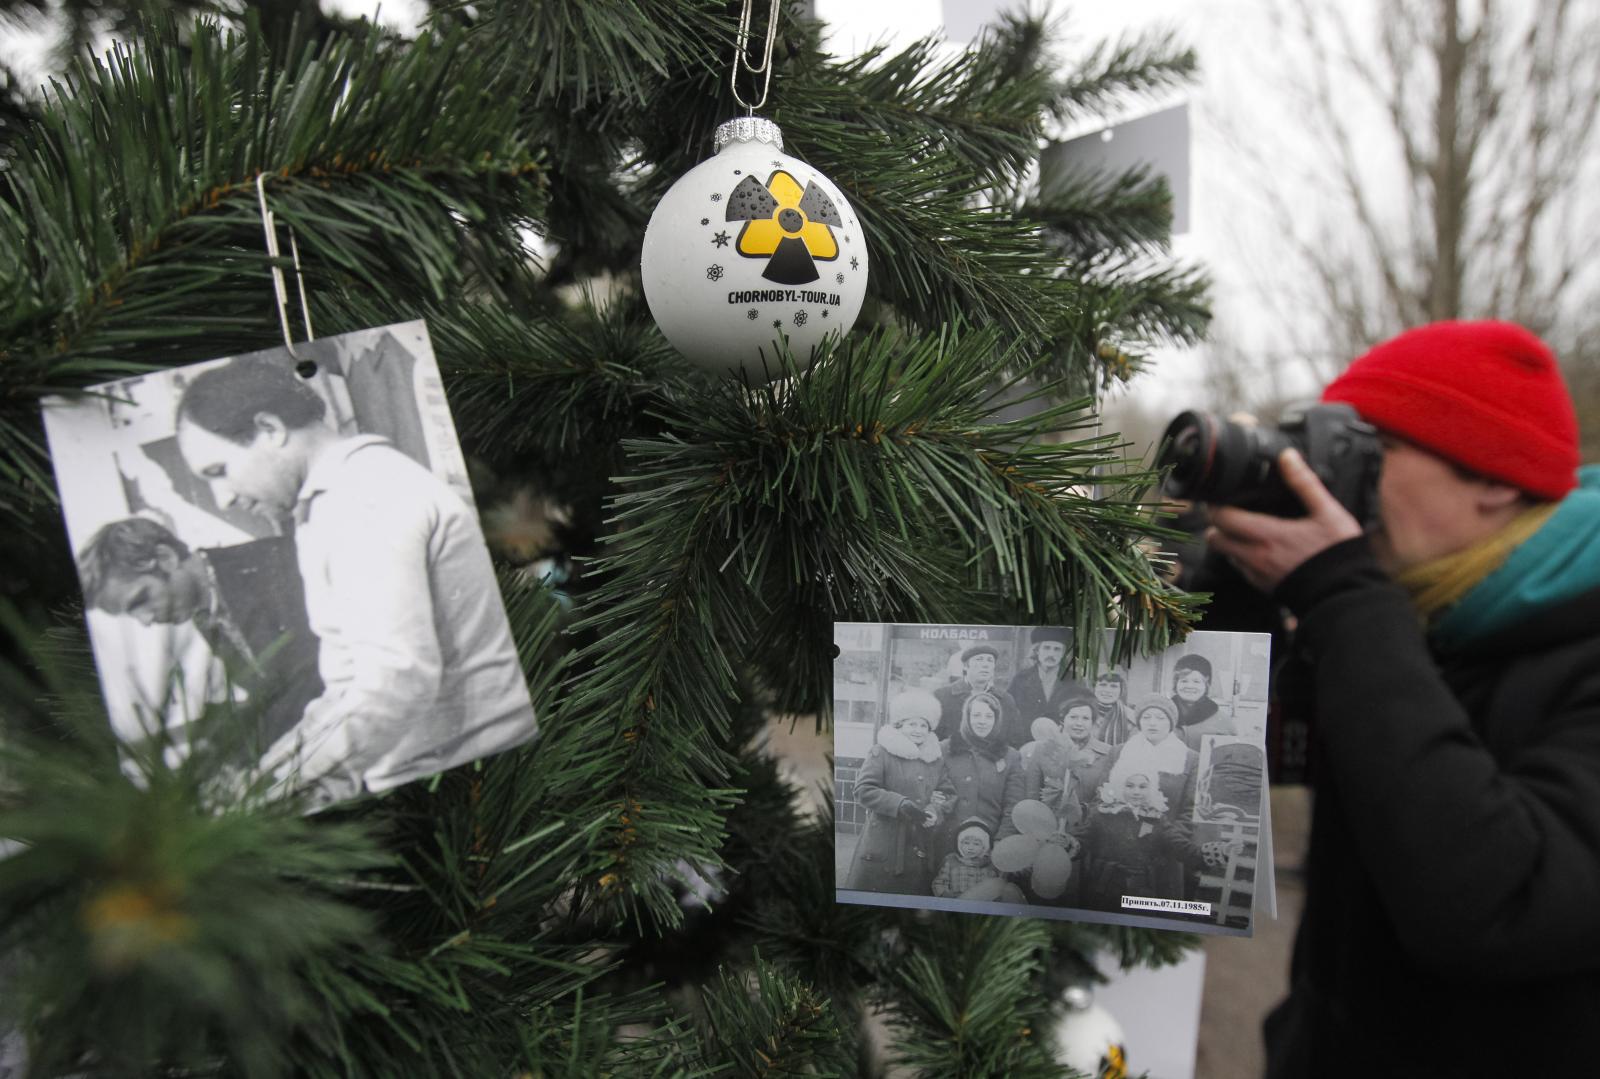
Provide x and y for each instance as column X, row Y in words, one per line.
column 1209, row 459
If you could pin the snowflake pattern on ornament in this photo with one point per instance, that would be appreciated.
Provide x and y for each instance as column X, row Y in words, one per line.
column 720, row 239
column 714, row 273
column 752, row 314
column 839, row 277
column 777, row 324
column 799, row 318
column 853, row 264
column 716, row 196
column 705, row 220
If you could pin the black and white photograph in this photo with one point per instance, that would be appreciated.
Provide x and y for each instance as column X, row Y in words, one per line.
column 985, row 770
column 288, row 539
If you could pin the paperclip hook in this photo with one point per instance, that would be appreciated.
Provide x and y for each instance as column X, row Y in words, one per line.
column 269, row 225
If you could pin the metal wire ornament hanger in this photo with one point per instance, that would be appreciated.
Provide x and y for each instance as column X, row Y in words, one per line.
column 741, row 55
column 269, row 225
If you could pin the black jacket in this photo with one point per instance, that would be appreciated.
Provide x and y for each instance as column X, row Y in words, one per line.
column 1452, row 919
column 260, row 631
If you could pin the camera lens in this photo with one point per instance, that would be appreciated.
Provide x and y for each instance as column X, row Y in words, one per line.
column 1188, row 450
column 1212, row 460
column 1205, row 458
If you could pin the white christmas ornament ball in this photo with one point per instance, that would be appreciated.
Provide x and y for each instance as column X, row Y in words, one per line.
column 751, row 248
column 1090, row 1040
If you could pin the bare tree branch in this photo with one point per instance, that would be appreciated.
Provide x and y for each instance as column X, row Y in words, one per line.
column 1457, row 173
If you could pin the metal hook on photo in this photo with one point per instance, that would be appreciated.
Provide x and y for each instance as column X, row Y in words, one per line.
column 269, row 226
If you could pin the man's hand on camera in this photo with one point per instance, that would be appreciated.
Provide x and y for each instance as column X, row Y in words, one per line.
column 1267, row 549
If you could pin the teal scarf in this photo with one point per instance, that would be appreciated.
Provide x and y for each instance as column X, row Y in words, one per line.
column 1559, row 561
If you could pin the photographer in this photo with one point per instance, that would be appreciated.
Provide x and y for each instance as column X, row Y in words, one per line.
column 1452, row 917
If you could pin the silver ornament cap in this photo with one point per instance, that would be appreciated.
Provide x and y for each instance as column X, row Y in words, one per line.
column 745, row 129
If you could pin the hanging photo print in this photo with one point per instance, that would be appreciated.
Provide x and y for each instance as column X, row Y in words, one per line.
column 980, row 769
column 283, row 569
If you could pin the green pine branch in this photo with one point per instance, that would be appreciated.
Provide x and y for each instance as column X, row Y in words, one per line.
column 602, row 51
column 1131, row 66
column 152, row 931
column 848, row 485
column 938, row 255
column 887, row 442
column 1134, row 300
column 134, row 210
column 655, row 696
column 563, row 386
column 964, row 999
column 764, row 1023
column 789, row 906
column 1085, row 214
column 579, row 1039
column 981, row 111
column 287, row 944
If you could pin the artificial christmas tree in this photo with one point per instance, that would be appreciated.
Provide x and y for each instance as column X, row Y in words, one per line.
column 637, row 892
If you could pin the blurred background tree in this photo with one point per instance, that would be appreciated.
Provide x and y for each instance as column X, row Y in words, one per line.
column 1445, row 166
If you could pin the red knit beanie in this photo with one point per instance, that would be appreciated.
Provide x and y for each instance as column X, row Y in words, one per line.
column 1485, row 395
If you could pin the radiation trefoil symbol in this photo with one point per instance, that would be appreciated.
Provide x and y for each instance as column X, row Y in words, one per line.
column 789, row 226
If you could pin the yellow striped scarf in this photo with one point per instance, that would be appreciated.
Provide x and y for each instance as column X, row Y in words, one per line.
column 1438, row 585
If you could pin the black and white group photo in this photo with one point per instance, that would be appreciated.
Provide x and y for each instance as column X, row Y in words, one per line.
column 983, row 769
column 287, row 540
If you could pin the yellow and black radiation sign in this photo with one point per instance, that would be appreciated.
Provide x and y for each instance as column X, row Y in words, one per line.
column 789, row 226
